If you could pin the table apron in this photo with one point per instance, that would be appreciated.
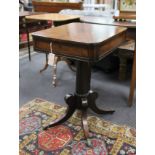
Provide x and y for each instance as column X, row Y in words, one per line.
column 85, row 52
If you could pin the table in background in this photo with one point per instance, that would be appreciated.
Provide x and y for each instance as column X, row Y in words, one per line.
column 31, row 26
column 54, row 17
column 57, row 20
column 55, row 7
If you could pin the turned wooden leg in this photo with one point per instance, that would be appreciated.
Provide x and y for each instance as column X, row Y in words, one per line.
column 71, row 67
column 54, row 70
column 85, row 123
column 122, row 68
column 46, row 64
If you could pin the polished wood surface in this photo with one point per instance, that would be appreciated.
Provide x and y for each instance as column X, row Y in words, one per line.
column 53, row 17
column 81, row 33
column 55, row 7
column 80, row 40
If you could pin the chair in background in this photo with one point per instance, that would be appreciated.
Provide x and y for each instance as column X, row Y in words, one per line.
column 55, row 7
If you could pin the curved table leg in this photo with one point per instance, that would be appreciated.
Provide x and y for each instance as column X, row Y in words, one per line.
column 84, row 107
column 70, row 100
column 92, row 105
column 46, row 64
column 83, row 98
column 85, row 123
column 71, row 67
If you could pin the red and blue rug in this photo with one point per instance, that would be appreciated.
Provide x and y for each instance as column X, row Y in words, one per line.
column 106, row 138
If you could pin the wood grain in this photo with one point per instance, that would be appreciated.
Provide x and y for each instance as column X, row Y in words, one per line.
column 55, row 7
column 81, row 41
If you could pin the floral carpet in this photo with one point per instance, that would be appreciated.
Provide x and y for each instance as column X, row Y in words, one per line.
column 106, row 138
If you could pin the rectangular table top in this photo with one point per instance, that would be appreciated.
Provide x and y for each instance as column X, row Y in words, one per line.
column 81, row 33
column 80, row 41
column 53, row 17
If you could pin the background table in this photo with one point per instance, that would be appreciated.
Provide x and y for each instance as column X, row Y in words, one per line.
column 30, row 26
column 55, row 17
column 57, row 20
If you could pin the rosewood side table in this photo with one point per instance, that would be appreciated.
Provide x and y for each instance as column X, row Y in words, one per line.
column 86, row 44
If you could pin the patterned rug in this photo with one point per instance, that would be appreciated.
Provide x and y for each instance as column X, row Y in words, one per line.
column 106, row 138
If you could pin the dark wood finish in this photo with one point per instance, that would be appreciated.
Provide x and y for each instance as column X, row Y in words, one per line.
column 125, row 52
column 130, row 34
column 24, row 44
column 78, row 42
column 22, row 20
column 55, row 7
column 93, row 42
column 83, row 98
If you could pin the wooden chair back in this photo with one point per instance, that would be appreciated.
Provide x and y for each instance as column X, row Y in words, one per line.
column 55, row 7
